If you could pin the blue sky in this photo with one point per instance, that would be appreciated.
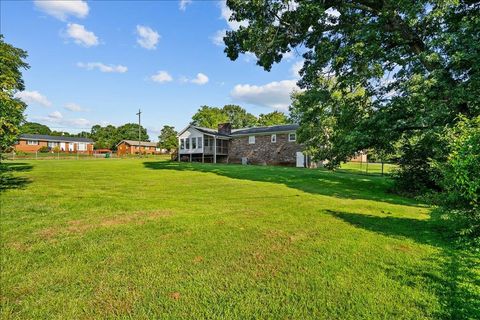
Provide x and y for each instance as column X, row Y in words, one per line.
column 98, row 62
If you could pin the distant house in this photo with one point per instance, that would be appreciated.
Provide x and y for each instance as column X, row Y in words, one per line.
column 275, row 145
column 125, row 147
column 33, row 142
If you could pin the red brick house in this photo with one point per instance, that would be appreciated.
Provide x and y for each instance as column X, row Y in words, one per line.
column 125, row 147
column 33, row 142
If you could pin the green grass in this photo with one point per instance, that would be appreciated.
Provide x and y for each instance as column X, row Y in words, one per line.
column 144, row 239
column 371, row 168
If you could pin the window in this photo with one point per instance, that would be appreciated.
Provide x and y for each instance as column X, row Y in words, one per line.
column 251, row 140
column 52, row 144
column 82, row 146
column 273, row 139
column 199, row 142
column 182, row 144
column 32, row 142
column 194, row 143
column 207, row 142
column 187, row 143
column 292, row 137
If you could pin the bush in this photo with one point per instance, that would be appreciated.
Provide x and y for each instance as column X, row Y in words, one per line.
column 461, row 178
column 44, row 149
column 416, row 175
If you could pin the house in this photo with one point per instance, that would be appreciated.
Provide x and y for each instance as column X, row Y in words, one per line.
column 125, row 147
column 33, row 142
column 274, row 145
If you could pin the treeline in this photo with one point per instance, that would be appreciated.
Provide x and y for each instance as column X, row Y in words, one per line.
column 210, row 117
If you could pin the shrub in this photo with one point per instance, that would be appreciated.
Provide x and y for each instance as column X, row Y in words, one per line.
column 461, row 177
column 44, row 149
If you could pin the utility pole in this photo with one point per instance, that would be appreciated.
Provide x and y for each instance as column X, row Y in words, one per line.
column 139, row 130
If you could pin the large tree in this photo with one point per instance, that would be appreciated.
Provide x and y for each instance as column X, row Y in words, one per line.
column 272, row 118
column 168, row 138
column 35, row 128
column 12, row 61
column 238, row 116
column 209, row 117
column 417, row 63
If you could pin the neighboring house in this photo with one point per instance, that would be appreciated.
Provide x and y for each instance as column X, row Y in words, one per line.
column 125, row 147
column 33, row 142
column 275, row 145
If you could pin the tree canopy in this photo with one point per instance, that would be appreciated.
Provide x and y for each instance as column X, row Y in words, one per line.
column 12, row 61
column 272, row 118
column 168, row 138
column 210, row 117
column 35, row 128
column 109, row 136
column 416, row 64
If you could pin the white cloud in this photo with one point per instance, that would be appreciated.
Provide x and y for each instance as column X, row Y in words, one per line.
column 161, row 77
column 295, row 69
column 217, row 38
column 57, row 118
column 183, row 4
column 200, row 79
column 33, row 97
column 74, row 107
column 226, row 13
column 81, row 36
column 275, row 94
column 102, row 67
column 147, row 37
column 56, row 115
column 62, row 9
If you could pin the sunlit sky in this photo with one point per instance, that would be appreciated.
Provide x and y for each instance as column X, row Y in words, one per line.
column 98, row 62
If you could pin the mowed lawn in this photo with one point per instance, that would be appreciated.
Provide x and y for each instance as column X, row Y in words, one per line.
column 145, row 239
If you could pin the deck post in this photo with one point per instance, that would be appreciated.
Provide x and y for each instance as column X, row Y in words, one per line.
column 190, row 157
column 178, row 150
column 214, row 149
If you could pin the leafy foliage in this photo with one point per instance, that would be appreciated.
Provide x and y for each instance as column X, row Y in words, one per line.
column 272, row 118
column 168, row 138
column 35, row 128
column 11, row 117
column 210, row 117
column 461, row 176
column 109, row 136
column 418, row 63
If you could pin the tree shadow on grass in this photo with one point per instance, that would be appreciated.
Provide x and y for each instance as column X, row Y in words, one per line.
column 453, row 276
column 317, row 181
column 8, row 179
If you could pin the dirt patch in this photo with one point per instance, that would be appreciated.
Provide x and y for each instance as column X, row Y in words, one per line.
column 175, row 295
column 198, row 259
column 82, row 226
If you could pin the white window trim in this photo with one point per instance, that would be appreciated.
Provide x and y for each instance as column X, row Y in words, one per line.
column 251, row 139
column 199, row 142
column 273, row 138
column 182, row 144
column 290, row 140
column 194, row 142
column 32, row 142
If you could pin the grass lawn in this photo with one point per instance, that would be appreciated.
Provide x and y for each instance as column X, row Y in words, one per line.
column 144, row 239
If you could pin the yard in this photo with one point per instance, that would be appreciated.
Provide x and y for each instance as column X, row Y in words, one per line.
column 143, row 239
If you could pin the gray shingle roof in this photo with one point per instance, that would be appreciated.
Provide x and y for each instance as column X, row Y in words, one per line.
column 269, row 129
column 44, row 137
column 142, row 143
column 210, row 131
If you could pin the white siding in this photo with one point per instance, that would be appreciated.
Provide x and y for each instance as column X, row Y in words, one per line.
column 191, row 133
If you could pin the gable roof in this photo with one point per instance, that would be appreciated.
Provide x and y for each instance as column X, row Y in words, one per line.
column 45, row 137
column 269, row 129
column 142, row 143
column 245, row 131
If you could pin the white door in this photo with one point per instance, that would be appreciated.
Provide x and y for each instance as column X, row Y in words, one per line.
column 62, row 146
column 300, row 160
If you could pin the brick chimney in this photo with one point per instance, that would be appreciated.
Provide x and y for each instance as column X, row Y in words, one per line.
column 225, row 128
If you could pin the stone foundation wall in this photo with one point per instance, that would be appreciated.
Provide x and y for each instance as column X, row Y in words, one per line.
column 263, row 151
